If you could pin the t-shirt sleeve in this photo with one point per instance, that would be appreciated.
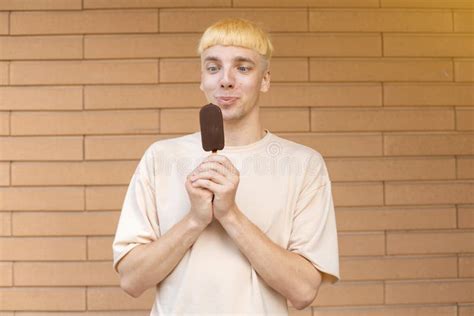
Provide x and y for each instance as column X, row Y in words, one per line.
column 314, row 233
column 138, row 223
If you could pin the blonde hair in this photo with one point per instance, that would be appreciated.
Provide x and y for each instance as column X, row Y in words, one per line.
column 237, row 32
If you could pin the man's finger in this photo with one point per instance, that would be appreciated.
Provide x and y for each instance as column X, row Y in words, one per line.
column 224, row 161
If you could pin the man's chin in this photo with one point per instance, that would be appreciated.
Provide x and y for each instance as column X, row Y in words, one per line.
column 230, row 117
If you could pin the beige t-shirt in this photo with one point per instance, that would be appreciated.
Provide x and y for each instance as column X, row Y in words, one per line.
column 284, row 189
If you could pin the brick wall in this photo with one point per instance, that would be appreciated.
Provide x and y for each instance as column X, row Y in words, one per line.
column 383, row 89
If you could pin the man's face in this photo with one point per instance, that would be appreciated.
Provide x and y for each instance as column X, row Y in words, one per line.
column 232, row 78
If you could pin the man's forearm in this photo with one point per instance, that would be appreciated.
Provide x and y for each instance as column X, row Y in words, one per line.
column 288, row 273
column 147, row 265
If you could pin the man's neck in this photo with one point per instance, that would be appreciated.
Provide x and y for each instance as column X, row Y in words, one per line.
column 242, row 134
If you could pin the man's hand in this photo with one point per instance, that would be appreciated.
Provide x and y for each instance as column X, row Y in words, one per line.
column 201, row 201
column 218, row 175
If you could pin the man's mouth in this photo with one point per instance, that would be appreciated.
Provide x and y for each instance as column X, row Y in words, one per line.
column 226, row 100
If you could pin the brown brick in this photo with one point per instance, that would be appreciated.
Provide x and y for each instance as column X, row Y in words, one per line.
column 82, row 72
column 357, row 194
column 99, row 248
column 80, row 22
column 374, row 169
column 379, row 20
column 389, row 268
column 40, row 5
column 380, row 69
column 119, row 147
column 64, row 274
column 430, row 242
column 427, row 3
column 465, row 119
column 350, row 294
column 4, row 123
column 40, row 47
column 387, row 310
column 327, row 44
column 4, row 76
column 464, row 69
column 102, row 198
column 391, row 218
column 47, row 248
column 387, row 119
column 305, row 3
column 429, row 291
column 41, row 148
column 431, row 94
column 6, row 273
column 289, row 69
column 4, row 22
column 180, row 70
column 41, row 98
column 433, row 192
column 361, row 244
column 85, row 122
column 197, row 20
column 141, row 45
column 5, row 223
column 465, row 310
column 466, row 266
column 428, row 45
column 465, row 167
column 4, row 173
column 322, row 94
column 285, row 119
column 179, row 120
column 275, row 119
column 340, row 144
column 113, row 298
column 73, row 173
column 435, row 143
column 42, row 198
column 42, row 299
column 155, row 3
column 64, row 223
column 465, row 216
column 463, row 21
column 144, row 96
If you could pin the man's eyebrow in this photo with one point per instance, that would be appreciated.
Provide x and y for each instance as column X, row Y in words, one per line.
column 242, row 58
column 237, row 58
column 211, row 58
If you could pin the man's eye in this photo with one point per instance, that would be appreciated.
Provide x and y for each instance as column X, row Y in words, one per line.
column 212, row 68
column 244, row 68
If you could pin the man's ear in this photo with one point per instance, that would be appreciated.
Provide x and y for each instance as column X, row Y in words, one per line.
column 265, row 81
column 201, row 68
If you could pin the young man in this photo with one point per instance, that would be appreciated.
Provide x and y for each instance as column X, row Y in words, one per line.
column 268, row 235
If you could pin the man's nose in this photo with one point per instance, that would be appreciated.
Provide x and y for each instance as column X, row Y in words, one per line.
column 227, row 80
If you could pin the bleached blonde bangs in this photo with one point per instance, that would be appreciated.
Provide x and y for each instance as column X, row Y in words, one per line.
column 237, row 32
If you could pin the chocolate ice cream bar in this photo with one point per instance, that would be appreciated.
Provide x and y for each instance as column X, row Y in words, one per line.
column 212, row 128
